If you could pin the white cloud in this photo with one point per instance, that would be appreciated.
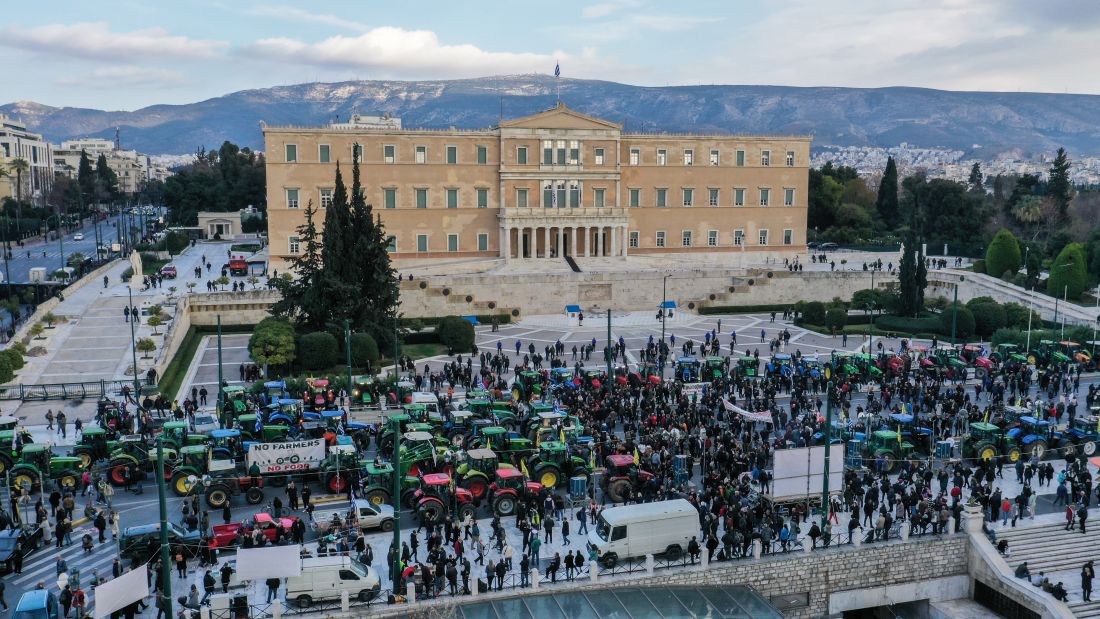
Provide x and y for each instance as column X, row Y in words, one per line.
column 603, row 9
column 95, row 40
column 398, row 52
column 296, row 14
column 124, row 75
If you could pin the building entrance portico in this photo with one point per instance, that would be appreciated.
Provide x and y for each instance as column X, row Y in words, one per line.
column 553, row 233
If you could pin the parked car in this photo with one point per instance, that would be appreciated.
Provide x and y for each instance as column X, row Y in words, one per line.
column 79, row 236
column 143, row 541
column 325, row 577
column 37, row 604
column 365, row 514
column 828, row 247
column 637, row 530
column 205, row 422
column 169, row 271
column 227, row 534
column 25, row 539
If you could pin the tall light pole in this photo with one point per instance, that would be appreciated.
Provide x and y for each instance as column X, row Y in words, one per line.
column 664, row 311
column 133, row 341
column 955, row 309
column 1065, row 299
column 395, row 559
column 1064, row 291
column 165, row 559
column 828, row 449
column 871, row 336
column 221, row 404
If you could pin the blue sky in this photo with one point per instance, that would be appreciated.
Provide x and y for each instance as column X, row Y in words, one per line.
column 126, row 54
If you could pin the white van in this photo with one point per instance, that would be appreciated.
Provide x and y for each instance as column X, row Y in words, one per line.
column 430, row 402
column 662, row 527
column 323, row 578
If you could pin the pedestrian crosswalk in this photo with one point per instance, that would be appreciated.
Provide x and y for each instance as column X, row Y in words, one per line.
column 41, row 566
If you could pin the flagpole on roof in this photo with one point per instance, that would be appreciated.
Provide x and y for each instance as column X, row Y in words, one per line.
column 557, row 81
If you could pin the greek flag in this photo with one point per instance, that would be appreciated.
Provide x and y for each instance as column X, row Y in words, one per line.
column 557, row 70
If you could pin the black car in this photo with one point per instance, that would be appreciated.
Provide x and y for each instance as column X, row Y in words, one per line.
column 143, row 541
column 26, row 540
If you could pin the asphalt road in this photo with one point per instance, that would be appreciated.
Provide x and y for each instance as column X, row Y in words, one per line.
column 23, row 259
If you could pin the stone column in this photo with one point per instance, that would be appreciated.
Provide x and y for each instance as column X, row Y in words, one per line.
column 573, row 242
column 526, row 232
column 561, row 241
column 599, row 241
column 505, row 249
column 587, row 242
column 546, row 242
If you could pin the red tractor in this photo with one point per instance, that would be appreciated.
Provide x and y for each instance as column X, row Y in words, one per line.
column 623, row 478
column 982, row 365
column 511, row 487
column 437, row 495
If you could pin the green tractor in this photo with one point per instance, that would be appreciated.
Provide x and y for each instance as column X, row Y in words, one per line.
column 234, row 401
column 510, row 446
column 363, row 392
column 868, row 368
column 134, row 454
column 986, row 441
column 475, row 472
column 95, row 444
column 268, row 433
column 37, row 463
column 190, row 467
column 420, row 453
column 526, row 386
column 386, row 436
column 1047, row 353
column 175, row 435
column 844, row 365
column 887, row 445
column 378, row 485
column 8, row 455
column 553, row 464
column 748, row 367
column 340, row 468
column 1005, row 354
column 714, row 368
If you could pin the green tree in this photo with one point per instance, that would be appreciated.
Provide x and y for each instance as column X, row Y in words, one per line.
column 106, row 180
column 7, row 373
column 339, row 271
column 36, row 330
column 1058, row 185
column 1003, row 254
column 317, row 350
column 813, row 312
column 14, row 358
column 155, row 321
column 364, row 350
column 836, row 318
column 86, row 178
column 303, row 297
column 49, row 318
column 964, row 321
column 228, row 179
column 887, row 204
column 988, row 315
column 1069, row 273
column 146, row 345
column 378, row 290
column 456, row 334
column 975, row 182
column 272, row 343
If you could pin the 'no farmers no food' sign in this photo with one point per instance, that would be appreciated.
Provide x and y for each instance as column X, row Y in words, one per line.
column 289, row 456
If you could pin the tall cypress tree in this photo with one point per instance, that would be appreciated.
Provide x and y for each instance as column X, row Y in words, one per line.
column 1058, row 186
column 304, row 299
column 86, row 177
column 976, row 179
column 378, row 291
column 887, row 202
column 338, row 277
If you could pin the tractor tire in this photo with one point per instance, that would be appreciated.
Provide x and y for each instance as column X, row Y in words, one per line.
column 180, row 484
column 5, row 464
column 1069, row 450
column 378, row 497
column 618, row 490
column 466, row 511
column 1013, row 454
column 985, row 452
column 336, row 483
column 86, row 459
column 254, row 496
column 980, row 373
column 68, row 480
column 1088, row 448
column 217, row 497
column 1038, row 449
column 408, row 499
column 477, row 487
column 548, row 476
column 431, row 512
column 24, row 477
column 116, row 472
column 504, row 505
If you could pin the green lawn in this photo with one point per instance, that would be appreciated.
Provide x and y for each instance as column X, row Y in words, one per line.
column 177, row 368
column 149, row 267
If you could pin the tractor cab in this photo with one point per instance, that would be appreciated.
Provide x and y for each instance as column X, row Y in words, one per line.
column 921, row 437
column 483, row 460
column 1074, row 351
column 1008, row 353
column 363, row 391
column 108, row 414
column 620, row 465
column 416, row 412
column 226, row 444
column 1048, row 353
column 780, row 365
column 284, row 411
column 318, row 395
column 275, row 389
column 844, row 364
column 562, row 377
column 194, row 456
column 889, row 446
column 973, row 355
column 594, row 377
column 234, row 400
column 715, row 367
column 511, row 478
column 810, row 366
column 7, row 422
column 553, row 451
column 479, row 407
column 747, row 367
column 176, row 435
column 95, row 444
column 986, row 441
column 650, row 373
column 527, row 385
column 688, row 369
column 867, row 365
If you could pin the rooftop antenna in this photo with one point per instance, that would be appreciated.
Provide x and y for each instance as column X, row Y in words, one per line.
column 501, row 108
column 118, row 140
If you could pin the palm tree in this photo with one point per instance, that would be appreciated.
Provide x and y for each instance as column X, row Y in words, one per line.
column 5, row 174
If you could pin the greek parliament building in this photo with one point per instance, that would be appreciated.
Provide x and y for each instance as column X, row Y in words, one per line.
column 551, row 184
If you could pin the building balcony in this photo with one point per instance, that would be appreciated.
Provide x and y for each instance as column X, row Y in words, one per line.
column 596, row 215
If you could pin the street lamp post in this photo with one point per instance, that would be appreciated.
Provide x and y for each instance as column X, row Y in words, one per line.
column 664, row 310
column 828, row 450
column 395, row 559
column 133, row 341
column 1065, row 299
column 221, row 404
column 871, row 336
column 165, row 559
column 955, row 310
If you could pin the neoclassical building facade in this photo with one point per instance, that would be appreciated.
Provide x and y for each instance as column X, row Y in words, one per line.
column 555, row 183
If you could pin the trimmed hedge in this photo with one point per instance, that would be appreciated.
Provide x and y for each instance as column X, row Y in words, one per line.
column 988, row 316
column 743, row 309
column 317, row 350
column 421, row 337
column 431, row 321
column 963, row 319
column 456, row 333
column 1003, row 254
column 903, row 324
column 814, row 312
column 364, row 350
column 836, row 318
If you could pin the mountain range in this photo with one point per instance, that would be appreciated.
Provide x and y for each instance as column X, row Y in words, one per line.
column 980, row 123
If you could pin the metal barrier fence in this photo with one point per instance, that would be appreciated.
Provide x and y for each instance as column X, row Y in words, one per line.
column 65, row 391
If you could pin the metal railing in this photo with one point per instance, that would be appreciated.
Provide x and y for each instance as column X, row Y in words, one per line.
column 65, row 391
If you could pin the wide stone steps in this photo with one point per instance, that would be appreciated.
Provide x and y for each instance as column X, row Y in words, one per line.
column 1083, row 609
column 1049, row 548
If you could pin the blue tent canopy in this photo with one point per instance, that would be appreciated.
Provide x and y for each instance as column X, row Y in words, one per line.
column 667, row 305
column 472, row 320
column 576, row 309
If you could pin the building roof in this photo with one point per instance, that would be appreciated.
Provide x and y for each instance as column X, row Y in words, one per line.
column 718, row 602
column 560, row 116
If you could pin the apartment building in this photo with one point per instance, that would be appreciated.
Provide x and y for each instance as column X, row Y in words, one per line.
column 16, row 142
column 554, row 183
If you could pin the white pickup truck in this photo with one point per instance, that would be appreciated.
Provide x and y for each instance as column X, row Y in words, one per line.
column 363, row 514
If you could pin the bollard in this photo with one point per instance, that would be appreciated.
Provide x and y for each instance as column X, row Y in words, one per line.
column 345, row 602
column 410, row 592
column 204, row 612
column 757, row 548
column 857, row 537
column 704, row 558
column 807, row 544
column 649, row 565
column 535, row 578
column 276, row 609
column 475, row 587
column 951, row 525
column 903, row 531
column 593, row 571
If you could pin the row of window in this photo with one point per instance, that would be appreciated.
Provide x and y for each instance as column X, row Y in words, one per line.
column 660, row 240
column 558, row 194
column 554, row 152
